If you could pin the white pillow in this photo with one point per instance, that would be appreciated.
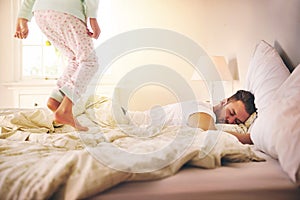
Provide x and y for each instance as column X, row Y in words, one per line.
column 265, row 74
column 276, row 131
column 237, row 128
column 250, row 121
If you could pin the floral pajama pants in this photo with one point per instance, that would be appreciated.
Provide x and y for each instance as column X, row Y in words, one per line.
column 69, row 35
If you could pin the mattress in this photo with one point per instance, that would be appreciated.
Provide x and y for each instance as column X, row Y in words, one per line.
column 252, row 180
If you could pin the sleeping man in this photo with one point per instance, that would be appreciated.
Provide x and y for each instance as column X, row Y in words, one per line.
column 233, row 110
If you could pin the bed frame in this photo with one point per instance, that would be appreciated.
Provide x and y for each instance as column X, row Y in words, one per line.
column 246, row 181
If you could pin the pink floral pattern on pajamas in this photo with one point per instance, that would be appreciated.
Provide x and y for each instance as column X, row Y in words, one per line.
column 69, row 34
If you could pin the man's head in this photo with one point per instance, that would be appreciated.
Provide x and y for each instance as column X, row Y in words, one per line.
column 235, row 109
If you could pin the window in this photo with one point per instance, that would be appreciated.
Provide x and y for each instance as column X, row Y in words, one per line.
column 40, row 59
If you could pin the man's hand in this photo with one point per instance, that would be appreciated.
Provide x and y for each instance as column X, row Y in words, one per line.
column 243, row 138
column 21, row 28
column 95, row 28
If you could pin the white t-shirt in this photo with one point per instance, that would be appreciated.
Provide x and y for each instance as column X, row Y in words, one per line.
column 171, row 114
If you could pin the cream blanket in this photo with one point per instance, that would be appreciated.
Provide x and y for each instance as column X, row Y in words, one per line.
column 40, row 161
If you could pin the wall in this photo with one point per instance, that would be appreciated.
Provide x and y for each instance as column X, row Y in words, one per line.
column 222, row 27
column 6, row 52
column 229, row 28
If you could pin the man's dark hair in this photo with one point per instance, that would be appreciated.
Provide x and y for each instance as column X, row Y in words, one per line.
column 247, row 98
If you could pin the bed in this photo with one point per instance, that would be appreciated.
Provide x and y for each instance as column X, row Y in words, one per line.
column 274, row 131
column 43, row 160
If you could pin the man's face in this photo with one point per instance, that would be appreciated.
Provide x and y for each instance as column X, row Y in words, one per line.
column 233, row 112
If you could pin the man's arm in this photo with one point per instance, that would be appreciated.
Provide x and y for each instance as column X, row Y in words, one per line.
column 201, row 120
column 243, row 138
column 206, row 122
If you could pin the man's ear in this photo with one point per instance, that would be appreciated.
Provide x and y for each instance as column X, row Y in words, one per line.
column 224, row 102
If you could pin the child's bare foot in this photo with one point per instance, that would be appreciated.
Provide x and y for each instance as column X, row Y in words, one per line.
column 63, row 117
column 52, row 104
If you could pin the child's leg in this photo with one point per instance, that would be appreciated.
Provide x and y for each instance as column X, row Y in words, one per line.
column 55, row 99
column 50, row 24
column 69, row 35
column 53, row 104
column 78, row 74
column 84, row 65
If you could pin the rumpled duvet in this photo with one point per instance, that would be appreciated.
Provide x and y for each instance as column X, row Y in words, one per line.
column 42, row 160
